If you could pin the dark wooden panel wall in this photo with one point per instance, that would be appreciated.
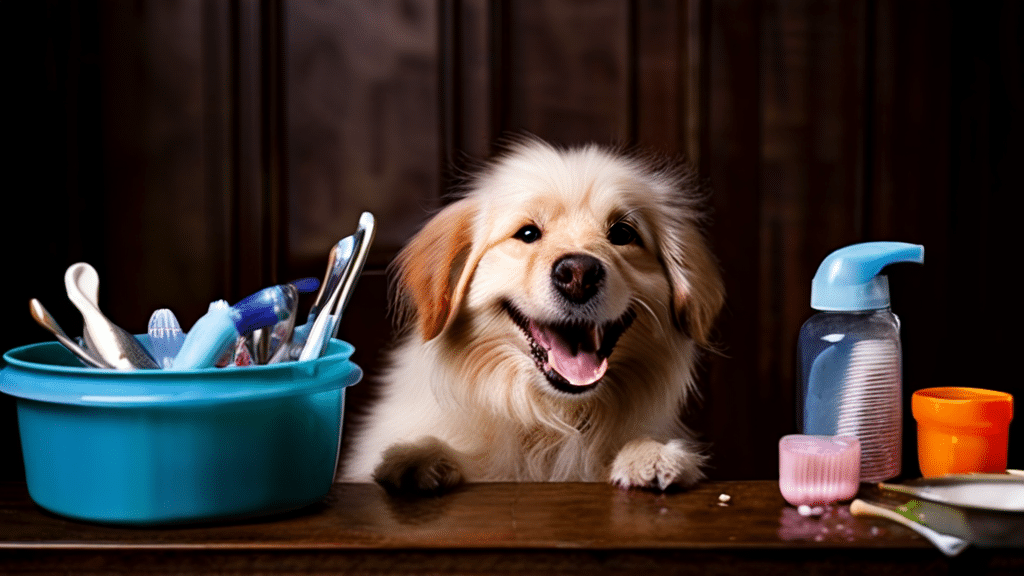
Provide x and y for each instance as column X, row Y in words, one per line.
column 198, row 149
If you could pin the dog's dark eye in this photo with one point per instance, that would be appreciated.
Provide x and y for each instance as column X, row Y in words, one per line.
column 528, row 234
column 621, row 234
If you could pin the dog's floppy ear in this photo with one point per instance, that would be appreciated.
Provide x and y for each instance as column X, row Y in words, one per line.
column 698, row 292
column 432, row 270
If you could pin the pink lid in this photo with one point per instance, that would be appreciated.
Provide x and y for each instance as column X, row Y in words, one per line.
column 817, row 470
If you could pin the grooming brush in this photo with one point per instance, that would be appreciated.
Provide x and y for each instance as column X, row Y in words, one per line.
column 870, row 407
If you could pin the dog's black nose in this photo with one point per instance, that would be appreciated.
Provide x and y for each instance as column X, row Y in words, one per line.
column 578, row 277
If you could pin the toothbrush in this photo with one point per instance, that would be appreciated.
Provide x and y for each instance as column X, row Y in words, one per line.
column 214, row 333
column 306, row 285
column 165, row 336
column 229, row 356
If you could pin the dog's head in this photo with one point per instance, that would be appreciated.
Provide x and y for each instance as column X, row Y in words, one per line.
column 565, row 255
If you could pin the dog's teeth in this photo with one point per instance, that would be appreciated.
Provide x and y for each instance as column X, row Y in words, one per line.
column 573, row 355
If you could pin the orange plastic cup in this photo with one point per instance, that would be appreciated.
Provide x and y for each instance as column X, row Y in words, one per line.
column 962, row 430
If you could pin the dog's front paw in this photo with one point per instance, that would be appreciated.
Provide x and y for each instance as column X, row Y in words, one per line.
column 647, row 463
column 425, row 466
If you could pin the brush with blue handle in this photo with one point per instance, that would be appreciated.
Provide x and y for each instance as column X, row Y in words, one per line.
column 212, row 335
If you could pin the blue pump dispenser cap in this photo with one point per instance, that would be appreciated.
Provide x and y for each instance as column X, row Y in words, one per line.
column 848, row 279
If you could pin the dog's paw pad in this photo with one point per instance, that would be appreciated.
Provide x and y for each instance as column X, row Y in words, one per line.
column 648, row 463
column 423, row 467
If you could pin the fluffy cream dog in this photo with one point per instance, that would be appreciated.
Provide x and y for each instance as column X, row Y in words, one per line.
column 555, row 315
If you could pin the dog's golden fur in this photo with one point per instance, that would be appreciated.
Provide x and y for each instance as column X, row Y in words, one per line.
column 475, row 392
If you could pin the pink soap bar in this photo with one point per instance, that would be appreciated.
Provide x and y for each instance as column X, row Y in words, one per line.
column 817, row 470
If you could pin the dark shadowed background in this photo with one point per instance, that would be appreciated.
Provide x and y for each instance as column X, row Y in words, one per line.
column 201, row 149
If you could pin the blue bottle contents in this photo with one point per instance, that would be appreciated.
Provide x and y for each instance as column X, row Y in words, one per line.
column 824, row 350
column 849, row 355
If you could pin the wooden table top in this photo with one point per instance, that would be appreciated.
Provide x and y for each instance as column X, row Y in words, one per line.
column 545, row 520
column 542, row 515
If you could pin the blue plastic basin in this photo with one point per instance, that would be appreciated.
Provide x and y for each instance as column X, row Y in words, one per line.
column 168, row 447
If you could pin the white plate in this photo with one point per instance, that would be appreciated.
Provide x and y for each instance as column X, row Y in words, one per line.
column 1000, row 492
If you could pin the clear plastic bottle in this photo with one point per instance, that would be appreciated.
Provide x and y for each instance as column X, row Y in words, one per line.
column 849, row 355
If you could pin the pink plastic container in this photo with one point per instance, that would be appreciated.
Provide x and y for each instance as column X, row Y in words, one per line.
column 818, row 470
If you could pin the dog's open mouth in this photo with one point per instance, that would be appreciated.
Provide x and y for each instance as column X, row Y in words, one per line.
column 573, row 356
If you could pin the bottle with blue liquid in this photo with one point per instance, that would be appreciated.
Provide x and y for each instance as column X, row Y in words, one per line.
column 849, row 356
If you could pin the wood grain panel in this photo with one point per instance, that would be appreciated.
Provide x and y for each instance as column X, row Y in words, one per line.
column 363, row 122
column 163, row 240
column 668, row 62
column 568, row 72
column 738, row 402
column 469, row 90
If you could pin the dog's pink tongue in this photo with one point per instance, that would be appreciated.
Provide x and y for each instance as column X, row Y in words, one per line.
column 578, row 366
